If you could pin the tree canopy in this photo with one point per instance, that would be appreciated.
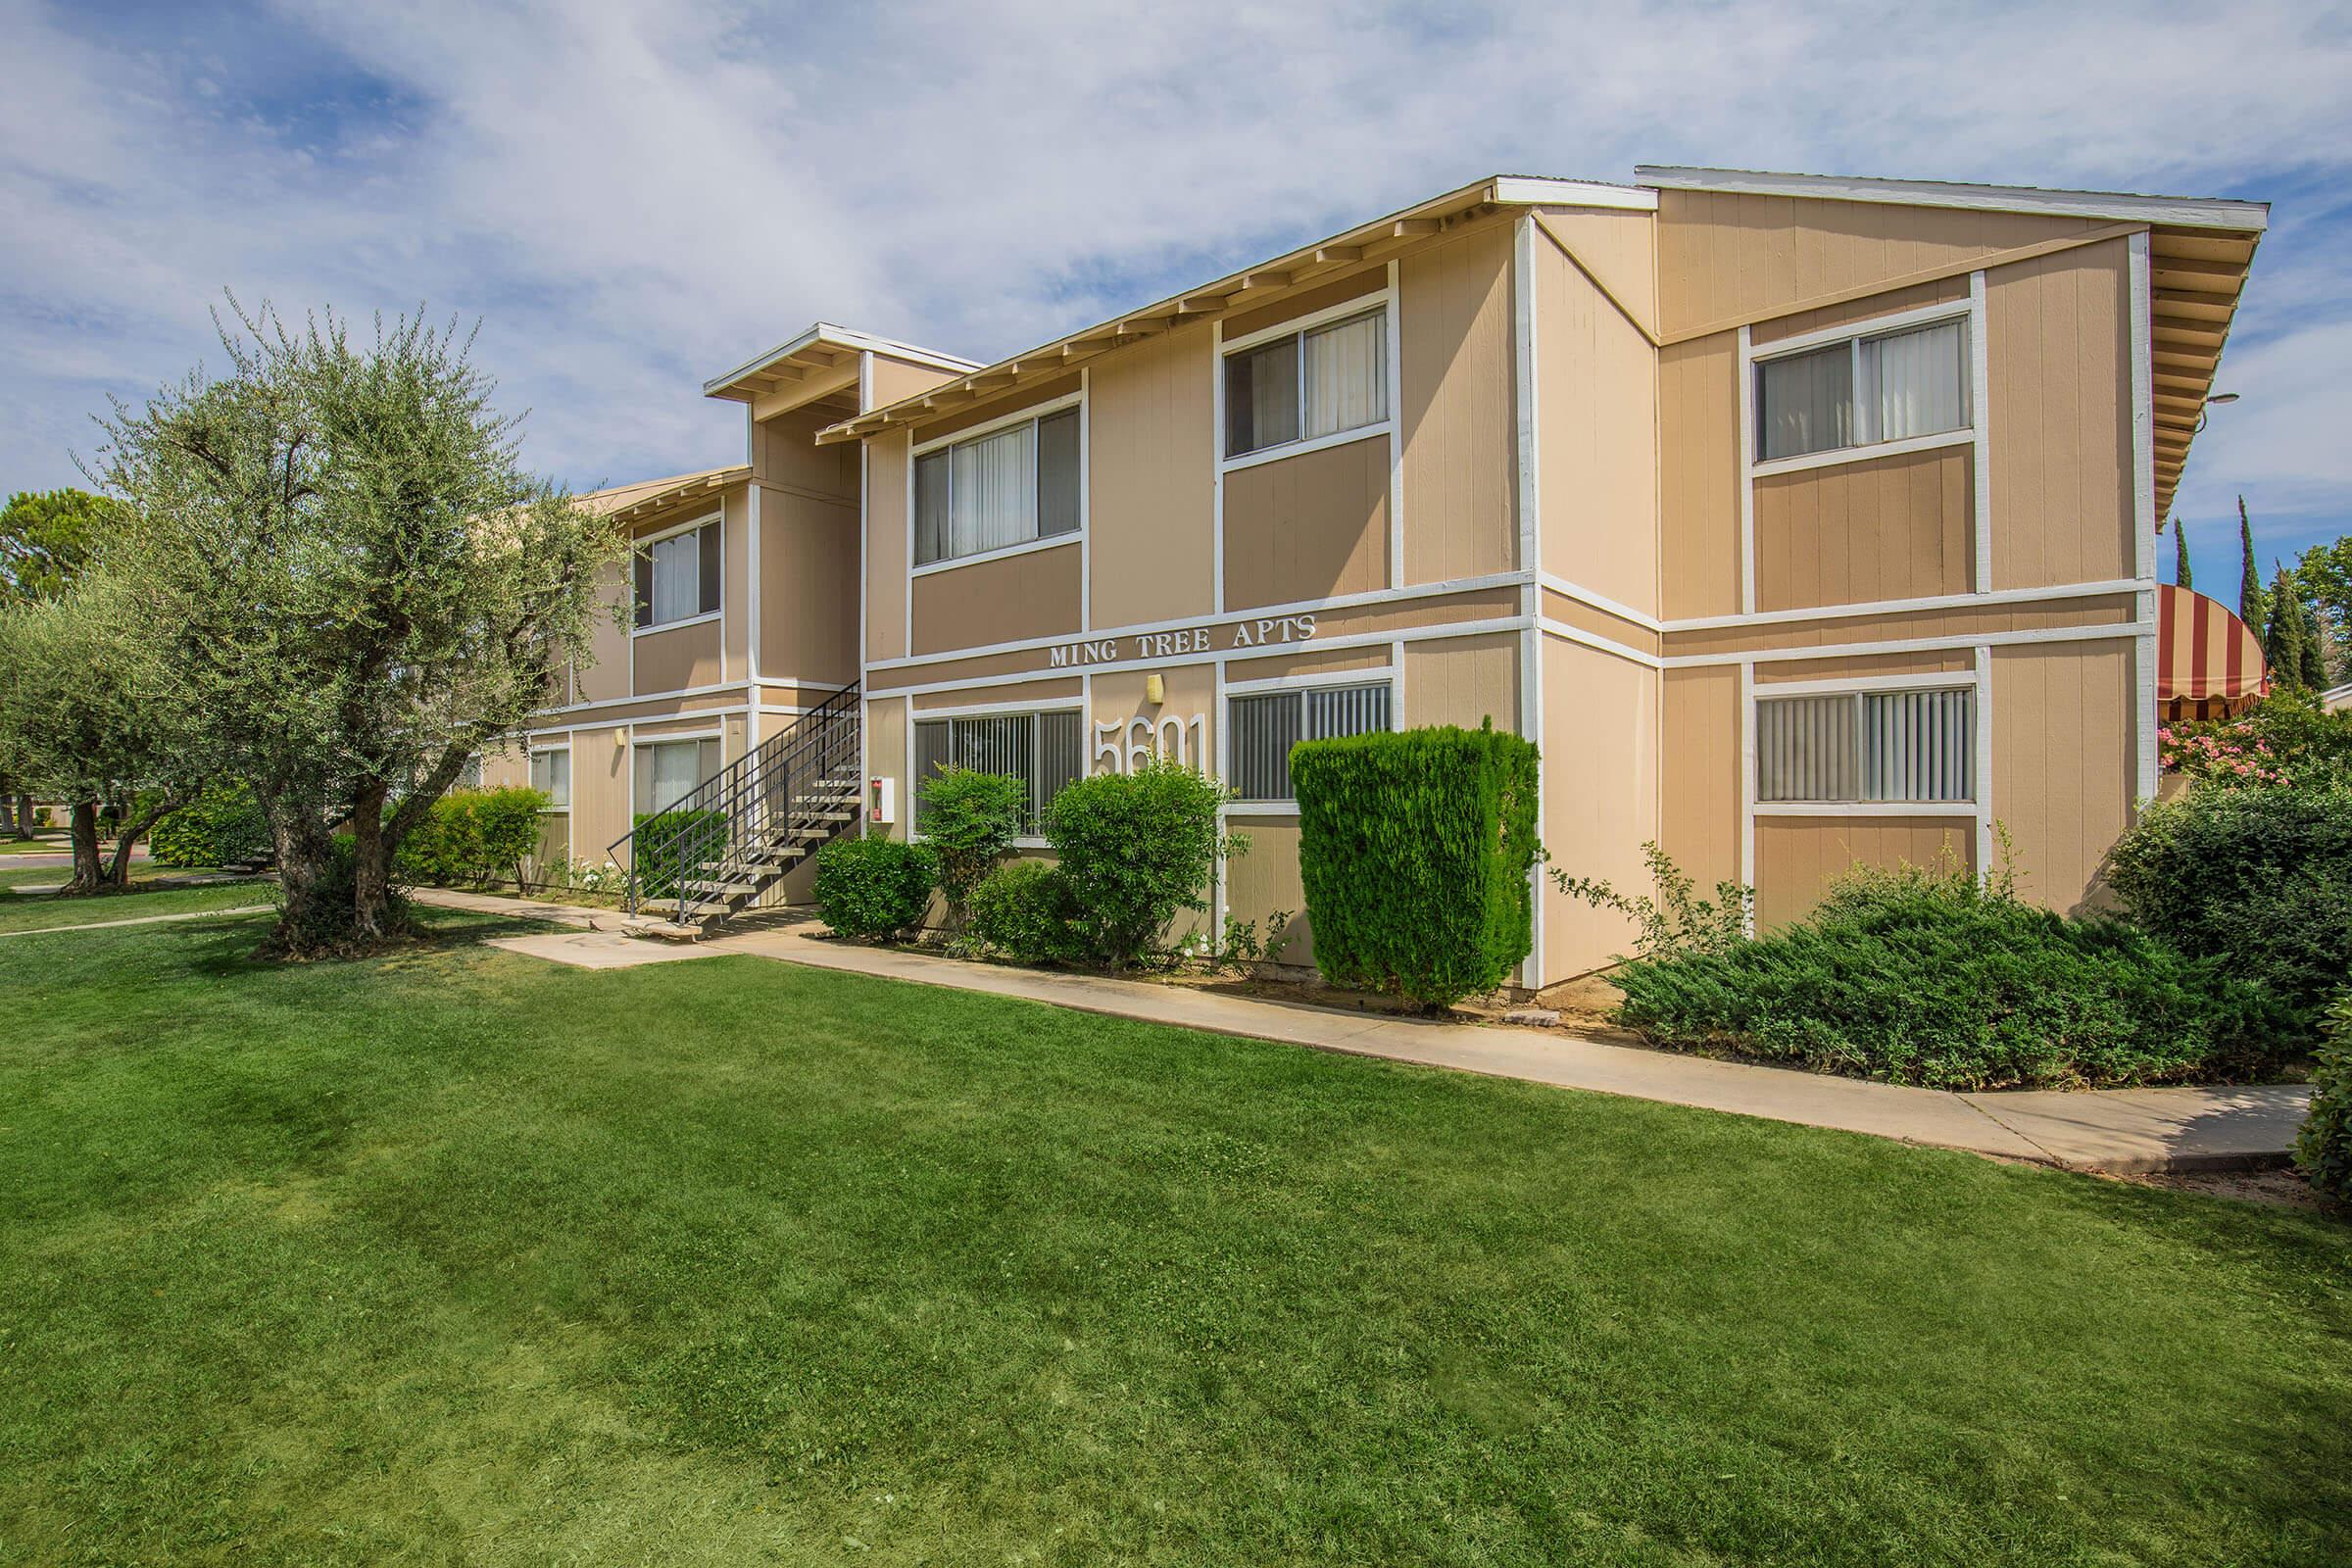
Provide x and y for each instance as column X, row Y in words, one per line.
column 47, row 536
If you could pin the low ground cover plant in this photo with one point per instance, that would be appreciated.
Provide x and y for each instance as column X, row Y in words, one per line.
column 878, row 889
column 1414, row 849
column 1927, row 976
column 474, row 836
column 2257, row 879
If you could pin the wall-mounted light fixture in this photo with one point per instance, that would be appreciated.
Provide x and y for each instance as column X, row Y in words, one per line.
column 1155, row 688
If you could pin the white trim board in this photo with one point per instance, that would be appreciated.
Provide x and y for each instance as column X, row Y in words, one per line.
column 1916, row 644
column 844, row 337
column 2181, row 211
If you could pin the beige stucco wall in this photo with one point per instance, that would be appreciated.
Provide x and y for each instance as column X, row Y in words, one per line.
column 1151, row 470
column 1460, row 470
column 1312, row 527
column 1597, row 408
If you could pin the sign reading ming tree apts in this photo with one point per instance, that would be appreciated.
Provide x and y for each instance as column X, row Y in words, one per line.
column 1264, row 632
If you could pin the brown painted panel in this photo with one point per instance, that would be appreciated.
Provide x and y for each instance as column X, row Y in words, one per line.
column 1861, row 532
column 895, row 380
column 1264, row 880
column 1602, row 733
column 2064, row 766
column 603, row 674
column 1012, row 693
column 1699, row 476
column 1860, row 312
column 1463, row 680
column 1002, row 600
column 1871, row 666
column 2059, row 359
column 885, row 545
column 1307, row 528
column 1596, row 401
column 784, row 452
column 807, row 589
column 1699, row 817
column 1151, row 467
column 1963, row 621
column 1460, row 469
column 1797, row 857
column 1330, row 664
column 680, row 656
column 1617, row 248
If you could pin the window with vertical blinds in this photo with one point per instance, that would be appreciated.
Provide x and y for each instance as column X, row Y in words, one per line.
column 1008, row 487
column 1855, row 746
column 1322, row 381
column 1862, row 391
column 1044, row 751
column 1264, row 726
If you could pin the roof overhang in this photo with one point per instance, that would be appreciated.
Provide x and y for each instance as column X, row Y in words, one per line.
column 820, row 360
column 1237, row 291
column 635, row 503
column 2178, row 211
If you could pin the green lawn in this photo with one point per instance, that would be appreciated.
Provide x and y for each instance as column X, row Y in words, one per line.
column 33, row 911
column 462, row 1257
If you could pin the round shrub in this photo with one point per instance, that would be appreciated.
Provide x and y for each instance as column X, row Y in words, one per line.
column 223, row 827
column 970, row 818
column 1135, row 850
column 2323, row 1149
column 874, row 888
column 2259, row 880
column 1023, row 911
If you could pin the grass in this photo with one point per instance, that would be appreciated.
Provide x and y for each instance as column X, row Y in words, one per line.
column 456, row 1256
column 33, row 911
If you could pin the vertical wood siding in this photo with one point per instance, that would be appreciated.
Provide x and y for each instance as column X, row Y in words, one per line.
column 1597, row 403
column 1699, row 476
column 1460, row 480
column 1892, row 528
column 1306, row 527
column 2063, row 761
column 1151, row 467
column 1600, row 795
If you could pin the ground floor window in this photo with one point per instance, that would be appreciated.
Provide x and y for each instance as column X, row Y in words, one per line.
column 469, row 776
column 551, row 776
column 1265, row 725
column 1045, row 751
column 1853, row 747
column 668, row 771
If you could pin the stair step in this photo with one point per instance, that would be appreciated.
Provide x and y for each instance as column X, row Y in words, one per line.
column 723, row 889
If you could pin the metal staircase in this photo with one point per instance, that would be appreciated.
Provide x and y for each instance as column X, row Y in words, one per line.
column 715, row 853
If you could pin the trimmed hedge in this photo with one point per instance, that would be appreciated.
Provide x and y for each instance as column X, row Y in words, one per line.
column 2259, row 880
column 660, row 862
column 2323, row 1148
column 874, row 888
column 1923, row 976
column 474, row 836
column 1023, row 911
column 223, row 827
column 1135, row 850
column 1414, row 849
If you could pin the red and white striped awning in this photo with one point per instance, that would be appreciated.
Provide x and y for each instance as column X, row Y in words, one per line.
column 2209, row 664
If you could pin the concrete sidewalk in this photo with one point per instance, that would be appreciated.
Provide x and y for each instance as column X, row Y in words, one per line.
column 2134, row 1131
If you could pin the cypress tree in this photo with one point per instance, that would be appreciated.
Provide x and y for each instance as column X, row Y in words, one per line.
column 2282, row 639
column 2250, row 588
column 2314, row 646
column 2180, row 573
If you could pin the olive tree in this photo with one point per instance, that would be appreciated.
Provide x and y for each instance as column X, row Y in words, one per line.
column 84, row 719
column 355, row 582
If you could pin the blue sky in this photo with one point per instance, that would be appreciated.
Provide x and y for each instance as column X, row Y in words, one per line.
column 634, row 197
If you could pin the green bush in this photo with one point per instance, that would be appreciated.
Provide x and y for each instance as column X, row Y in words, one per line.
column 2259, row 880
column 2286, row 738
column 874, row 888
column 1923, row 976
column 970, row 820
column 474, row 836
column 2323, row 1149
column 671, row 843
column 1023, row 911
column 1135, row 850
column 1414, row 849
column 223, row 827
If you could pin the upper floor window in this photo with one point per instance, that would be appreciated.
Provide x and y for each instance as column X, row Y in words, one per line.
column 1306, row 384
column 1267, row 725
column 1863, row 391
column 1044, row 751
column 1008, row 487
column 677, row 577
column 1855, row 746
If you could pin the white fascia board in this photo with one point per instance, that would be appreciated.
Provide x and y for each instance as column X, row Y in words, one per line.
column 844, row 338
column 1529, row 190
column 2178, row 212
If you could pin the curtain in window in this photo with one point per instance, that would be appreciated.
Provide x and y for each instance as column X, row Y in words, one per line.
column 994, row 498
column 930, row 508
column 1804, row 402
column 677, row 578
column 1916, row 746
column 1057, row 474
column 1915, row 383
column 668, row 771
column 550, row 774
column 1805, row 749
column 1345, row 388
column 1261, row 397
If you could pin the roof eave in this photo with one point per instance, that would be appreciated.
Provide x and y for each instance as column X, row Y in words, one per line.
column 2180, row 212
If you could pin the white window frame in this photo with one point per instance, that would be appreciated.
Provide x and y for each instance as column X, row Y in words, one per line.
column 1979, row 738
column 1390, row 675
column 1854, row 335
column 1381, row 300
column 646, row 542
column 924, row 715
column 531, row 761
column 636, row 741
column 980, row 432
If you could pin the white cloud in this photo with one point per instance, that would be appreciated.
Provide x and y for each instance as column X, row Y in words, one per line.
column 638, row 195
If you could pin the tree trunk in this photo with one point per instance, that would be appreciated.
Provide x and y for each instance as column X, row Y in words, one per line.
column 370, row 893
column 7, row 811
column 24, row 815
column 118, row 870
column 315, row 918
column 88, row 875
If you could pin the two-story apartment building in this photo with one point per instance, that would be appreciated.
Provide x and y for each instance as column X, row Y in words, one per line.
column 1798, row 520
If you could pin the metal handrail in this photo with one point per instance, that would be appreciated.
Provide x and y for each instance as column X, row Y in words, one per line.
column 749, row 807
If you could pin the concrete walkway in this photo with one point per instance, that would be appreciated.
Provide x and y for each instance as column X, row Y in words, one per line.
column 144, row 919
column 2134, row 1131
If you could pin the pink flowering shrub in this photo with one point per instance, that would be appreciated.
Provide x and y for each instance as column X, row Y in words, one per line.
column 2283, row 739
